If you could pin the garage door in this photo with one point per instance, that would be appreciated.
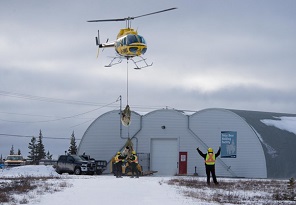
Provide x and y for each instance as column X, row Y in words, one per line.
column 164, row 156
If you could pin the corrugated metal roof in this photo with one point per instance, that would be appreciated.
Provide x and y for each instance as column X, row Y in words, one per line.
column 279, row 145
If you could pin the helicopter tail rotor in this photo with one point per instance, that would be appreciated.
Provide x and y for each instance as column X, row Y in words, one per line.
column 103, row 45
column 98, row 52
column 98, row 43
column 98, row 38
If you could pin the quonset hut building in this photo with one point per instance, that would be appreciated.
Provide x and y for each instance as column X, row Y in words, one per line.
column 253, row 144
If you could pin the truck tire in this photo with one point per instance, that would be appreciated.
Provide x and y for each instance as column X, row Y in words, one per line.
column 77, row 171
column 58, row 171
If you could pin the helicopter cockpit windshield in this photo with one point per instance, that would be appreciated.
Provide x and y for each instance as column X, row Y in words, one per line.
column 130, row 45
column 135, row 39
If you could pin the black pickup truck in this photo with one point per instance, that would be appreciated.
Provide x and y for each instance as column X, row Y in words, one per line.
column 74, row 164
column 98, row 165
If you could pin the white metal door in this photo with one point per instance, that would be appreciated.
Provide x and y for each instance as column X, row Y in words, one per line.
column 164, row 156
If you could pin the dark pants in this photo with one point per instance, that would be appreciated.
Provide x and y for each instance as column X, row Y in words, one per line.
column 114, row 168
column 134, row 169
column 118, row 169
column 210, row 169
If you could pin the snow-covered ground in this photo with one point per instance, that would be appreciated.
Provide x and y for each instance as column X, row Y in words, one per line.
column 106, row 189
column 101, row 189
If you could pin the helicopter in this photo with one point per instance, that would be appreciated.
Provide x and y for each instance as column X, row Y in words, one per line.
column 128, row 44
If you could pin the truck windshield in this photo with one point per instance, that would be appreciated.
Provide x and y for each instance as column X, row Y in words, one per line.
column 14, row 158
column 76, row 158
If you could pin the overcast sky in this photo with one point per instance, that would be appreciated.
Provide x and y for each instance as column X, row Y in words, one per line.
column 206, row 54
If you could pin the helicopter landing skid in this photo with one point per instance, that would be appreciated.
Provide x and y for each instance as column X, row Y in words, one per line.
column 141, row 60
column 118, row 60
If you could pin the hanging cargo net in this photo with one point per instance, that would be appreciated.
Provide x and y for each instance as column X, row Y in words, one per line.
column 126, row 116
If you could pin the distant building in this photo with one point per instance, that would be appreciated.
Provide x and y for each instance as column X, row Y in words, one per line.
column 253, row 144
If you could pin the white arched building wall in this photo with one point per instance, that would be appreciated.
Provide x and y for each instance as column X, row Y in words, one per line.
column 165, row 133
column 162, row 134
column 250, row 161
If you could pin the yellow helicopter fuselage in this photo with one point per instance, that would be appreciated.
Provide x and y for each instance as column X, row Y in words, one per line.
column 129, row 44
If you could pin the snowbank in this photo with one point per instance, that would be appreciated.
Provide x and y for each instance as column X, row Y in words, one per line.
column 29, row 170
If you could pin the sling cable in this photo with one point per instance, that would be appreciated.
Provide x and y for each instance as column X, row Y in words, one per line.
column 126, row 113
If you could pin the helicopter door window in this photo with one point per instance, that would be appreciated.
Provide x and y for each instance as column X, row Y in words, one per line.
column 124, row 41
column 141, row 39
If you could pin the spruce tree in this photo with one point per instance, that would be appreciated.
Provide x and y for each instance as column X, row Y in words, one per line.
column 19, row 152
column 11, row 152
column 40, row 148
column 33, row 150
column 48, row 155
column 73, row 148
column 291, row 189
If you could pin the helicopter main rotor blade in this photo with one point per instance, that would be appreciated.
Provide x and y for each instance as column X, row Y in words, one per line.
column 131, row 18
column 154, row 13
column 102, row 20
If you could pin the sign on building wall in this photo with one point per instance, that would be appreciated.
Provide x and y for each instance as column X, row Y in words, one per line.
column 228, row 144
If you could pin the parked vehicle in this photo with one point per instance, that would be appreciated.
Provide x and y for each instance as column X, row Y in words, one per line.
column 71, row 164
column 98, row 166
column 14, row 160
column 48, row 162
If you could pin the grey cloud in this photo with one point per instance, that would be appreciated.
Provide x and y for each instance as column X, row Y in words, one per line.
column 48, row 50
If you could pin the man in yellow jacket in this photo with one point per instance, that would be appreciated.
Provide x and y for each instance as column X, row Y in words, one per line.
column 133, row 160
column 118, row 164
column 210, row 160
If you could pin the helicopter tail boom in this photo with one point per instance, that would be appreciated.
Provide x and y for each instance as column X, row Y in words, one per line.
column 107, row 45
column 103, row 45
